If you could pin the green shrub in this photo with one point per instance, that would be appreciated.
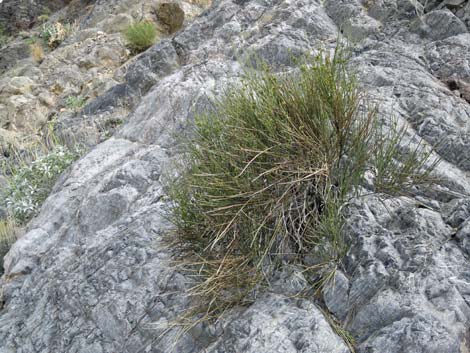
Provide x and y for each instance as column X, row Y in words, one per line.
column 29, row 184
column 266, row 175
column 141, row 35
column 75, row 102
column 54, row 34
column 31, row 40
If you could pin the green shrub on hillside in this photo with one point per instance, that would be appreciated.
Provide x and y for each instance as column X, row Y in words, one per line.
column 266, row 175
column 75, row 103
column 141, row 35
column 29, row 184
column 55, row 33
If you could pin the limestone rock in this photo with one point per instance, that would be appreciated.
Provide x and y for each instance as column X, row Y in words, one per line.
column 440, row 24
column 277, row 324
column 336, row 295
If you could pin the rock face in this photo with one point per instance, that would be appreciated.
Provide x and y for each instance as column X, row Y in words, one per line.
column 22, row 14
column 92, row 274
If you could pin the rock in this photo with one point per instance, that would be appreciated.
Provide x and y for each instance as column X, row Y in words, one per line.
column 21, row 14
column 107, row 217
column 47, row 98
column 361, row 27
column 463, row 234
column 336, row 295
column 355, row 24
column 171, row 15
column 156, row 62
column 22, row 113
column 453, row 2
column 11, row 54
column 393, row 10
column 440, row 24
column 277, row 324
column 117, row 23
column 457, row 211
column 401, row 266
column 20, row 85
column 448, row 58
column 91, row 60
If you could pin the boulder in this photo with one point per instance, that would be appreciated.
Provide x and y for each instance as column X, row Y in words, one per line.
column 170, row 15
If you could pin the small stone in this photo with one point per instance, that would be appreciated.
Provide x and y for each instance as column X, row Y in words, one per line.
column 336, row 295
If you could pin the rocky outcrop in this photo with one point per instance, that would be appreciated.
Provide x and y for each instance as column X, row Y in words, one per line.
column 18, row 15
column 92, row 59
column 92, row 274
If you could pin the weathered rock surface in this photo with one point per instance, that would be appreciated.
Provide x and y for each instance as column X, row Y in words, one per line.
column 92, row 273
column 278, row 324
column 22, row 14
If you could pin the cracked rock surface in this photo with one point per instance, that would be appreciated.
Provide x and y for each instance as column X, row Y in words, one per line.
column 92, row 274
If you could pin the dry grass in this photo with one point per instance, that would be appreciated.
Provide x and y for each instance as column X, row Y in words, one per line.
column 419, row 7
column 37, row 52
column 8, row 235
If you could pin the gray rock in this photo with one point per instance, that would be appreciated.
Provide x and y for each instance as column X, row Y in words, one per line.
column 448, row 58
column 354, row 23
column 277, row 324
column 336, row 295
column 439, row 24
column 457, row 212
column 463, row 234
column 11, row 54
column 105, row 217
column 21, row 14
column 409, row 285
column 155, row 63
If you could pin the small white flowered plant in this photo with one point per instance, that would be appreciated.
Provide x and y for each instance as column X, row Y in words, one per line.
column 30, row 184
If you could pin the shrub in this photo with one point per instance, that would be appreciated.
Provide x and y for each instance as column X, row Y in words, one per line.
column 56, row 33
column 75, row 102
column 29, row 184
column 267, row 173
column 43, row 18
column 141, row 35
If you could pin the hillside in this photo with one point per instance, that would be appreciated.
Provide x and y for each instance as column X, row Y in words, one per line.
column 93, row 272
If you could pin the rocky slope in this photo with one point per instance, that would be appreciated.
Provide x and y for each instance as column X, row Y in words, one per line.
column 36, row 89
column 93, row 275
